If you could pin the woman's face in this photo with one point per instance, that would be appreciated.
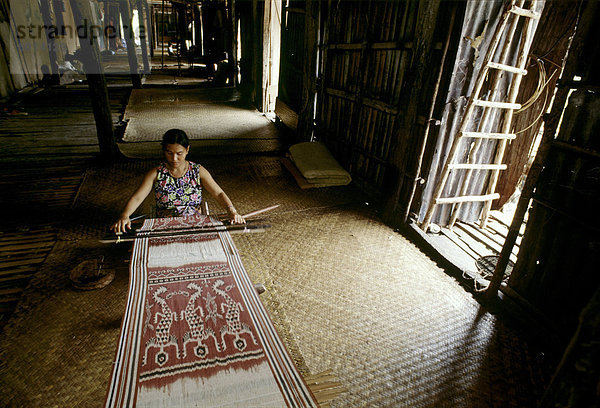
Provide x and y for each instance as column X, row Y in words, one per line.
column 175, row 154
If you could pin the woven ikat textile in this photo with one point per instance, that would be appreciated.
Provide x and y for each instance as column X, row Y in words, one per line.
column 195, row 333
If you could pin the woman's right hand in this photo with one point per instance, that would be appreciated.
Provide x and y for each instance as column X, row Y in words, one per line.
column 121, row 225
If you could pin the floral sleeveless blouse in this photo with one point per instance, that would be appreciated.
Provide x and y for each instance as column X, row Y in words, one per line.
column 178, row 196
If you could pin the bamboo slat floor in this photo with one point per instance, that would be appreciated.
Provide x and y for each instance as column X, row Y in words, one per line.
column 46, row 145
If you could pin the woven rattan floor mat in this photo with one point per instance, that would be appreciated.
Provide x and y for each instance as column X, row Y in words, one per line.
column 151, row 112
column 345, row 292
column 398, row 332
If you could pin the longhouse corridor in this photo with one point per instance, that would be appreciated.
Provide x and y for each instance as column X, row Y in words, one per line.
column 346, row 293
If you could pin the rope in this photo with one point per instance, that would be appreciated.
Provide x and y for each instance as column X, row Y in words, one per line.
column 542, row 88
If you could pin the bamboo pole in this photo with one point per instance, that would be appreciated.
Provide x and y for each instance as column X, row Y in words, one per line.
column 468, row 111
column 507, row 124
column 306, row 114
column 417, row 179
column 162, row 35
column 150, row 30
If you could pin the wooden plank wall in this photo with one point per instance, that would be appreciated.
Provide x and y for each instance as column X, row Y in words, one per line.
column 367, row 52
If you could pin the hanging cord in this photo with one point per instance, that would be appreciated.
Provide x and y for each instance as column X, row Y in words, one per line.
column 542, row 88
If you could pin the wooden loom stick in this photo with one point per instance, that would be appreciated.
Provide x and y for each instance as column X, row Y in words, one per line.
column 184, row 231
column 253, row 213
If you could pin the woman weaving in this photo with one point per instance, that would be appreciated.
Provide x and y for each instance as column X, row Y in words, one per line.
column 178, row 185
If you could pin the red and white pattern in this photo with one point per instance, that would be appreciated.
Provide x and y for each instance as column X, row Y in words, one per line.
column 195, row 333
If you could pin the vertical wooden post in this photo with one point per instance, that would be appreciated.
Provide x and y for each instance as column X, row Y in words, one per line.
column 257, row 23
column 309, row 76
column 408, row 105
column 125, row 10
column 234, row 51
column 162, row 36
column 144, row 30
column 45, row 9
column 149, row 27
column 97, row 85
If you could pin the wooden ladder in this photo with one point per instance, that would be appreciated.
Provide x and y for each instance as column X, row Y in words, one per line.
column 512, row 13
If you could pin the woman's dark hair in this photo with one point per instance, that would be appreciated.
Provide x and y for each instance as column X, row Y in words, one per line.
column 175, row 136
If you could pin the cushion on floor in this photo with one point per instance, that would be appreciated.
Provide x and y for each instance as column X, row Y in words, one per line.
column 317, row 165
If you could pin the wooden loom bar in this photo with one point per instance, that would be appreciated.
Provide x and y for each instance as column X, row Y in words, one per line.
column 184, row 231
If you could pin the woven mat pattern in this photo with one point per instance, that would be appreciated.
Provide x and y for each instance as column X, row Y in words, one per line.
column 344, row 291
column 58, row 348
column 151, row 112
column 395, row 329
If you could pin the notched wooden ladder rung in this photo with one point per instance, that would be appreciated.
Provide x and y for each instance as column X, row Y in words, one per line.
column 525, row 12
column 483, row 135
column 502, row 105
column 465, row 199
column 508, row 68
column 477, row 166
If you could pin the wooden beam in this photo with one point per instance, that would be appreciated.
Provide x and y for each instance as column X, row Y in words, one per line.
column 150, row 27
column 233, row 61
column 125, row 10
column 144, row 33
column 97, row 85
column 46, row 15
column 256, row 72
column 309, row 78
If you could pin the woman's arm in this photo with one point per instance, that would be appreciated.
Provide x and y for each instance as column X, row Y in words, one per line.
column 210, row 185
column 134, row 202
